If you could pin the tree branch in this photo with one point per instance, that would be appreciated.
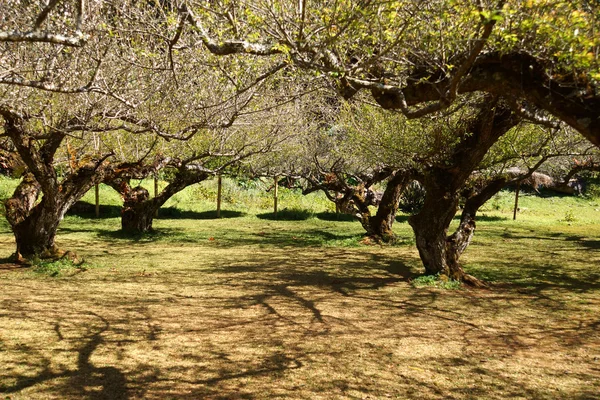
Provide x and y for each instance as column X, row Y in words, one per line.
column 228, row 46
column 44, row 37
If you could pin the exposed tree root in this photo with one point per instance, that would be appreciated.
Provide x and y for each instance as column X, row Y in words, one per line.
column 53, row 254
column 471, row 281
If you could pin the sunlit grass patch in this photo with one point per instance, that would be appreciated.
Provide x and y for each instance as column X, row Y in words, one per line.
column 436, row 281
column 57, row 268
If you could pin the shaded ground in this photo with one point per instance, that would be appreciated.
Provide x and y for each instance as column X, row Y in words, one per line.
column 251, row 315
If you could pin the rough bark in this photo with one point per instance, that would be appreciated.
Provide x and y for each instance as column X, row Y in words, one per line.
column 35, row 235
column 357, row 199
column 138, row 212
column 380, row 225
column 442, row 183
column 440, row 253
column 430, row 227
column 35, row 225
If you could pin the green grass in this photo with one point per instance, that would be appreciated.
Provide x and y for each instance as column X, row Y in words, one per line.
column 436, row 281
column 57, row 268
column 252, row 307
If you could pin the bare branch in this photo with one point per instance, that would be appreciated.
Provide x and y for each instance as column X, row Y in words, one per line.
column 228, row 46
column 44, row 37
column 49, row 87
column 80, row 14
column 468, row 63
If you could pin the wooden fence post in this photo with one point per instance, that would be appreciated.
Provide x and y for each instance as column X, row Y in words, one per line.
column 156, row 191
column 275, row 195
column 97, row 201
column 516, row 200
column 219, row 191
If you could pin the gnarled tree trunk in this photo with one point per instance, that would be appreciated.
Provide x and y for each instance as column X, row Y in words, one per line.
column 458, row 242
column 24, row 216
column 139, row 209
column 430, row 227
column 35, row 225
column 439, row 253
column 35, row 234
column 380, row 225
column 443, row 183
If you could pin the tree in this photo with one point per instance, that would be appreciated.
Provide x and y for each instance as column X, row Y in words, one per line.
column 34, row 223
column 441, row 153
column 202, row 157
column 127, row 76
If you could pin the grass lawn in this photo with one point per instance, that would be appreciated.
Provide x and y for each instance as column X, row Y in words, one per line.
column 247, row 307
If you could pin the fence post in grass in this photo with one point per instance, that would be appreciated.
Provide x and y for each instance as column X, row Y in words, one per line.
column 275, row 194
column 516, row 200
column 219, row 191
column 97, row 201
column 156, row 191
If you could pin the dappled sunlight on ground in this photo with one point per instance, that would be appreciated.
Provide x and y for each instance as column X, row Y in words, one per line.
column 158, row 320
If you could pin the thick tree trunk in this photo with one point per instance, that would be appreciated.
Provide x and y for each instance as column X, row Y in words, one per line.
column 438, row 252
column 380, row 225
column 442, row 184
column 430, row 227
column 36, row 233
column 30, row 236
column 34, row 225
column 138, row 211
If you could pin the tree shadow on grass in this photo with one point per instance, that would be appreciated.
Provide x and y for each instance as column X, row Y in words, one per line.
column 534, row 277
column 585, row 242
column 336, row 217
column 87, row 210
column 589, row 244
column 86, row 381
column 152, row 236
column 8, row 264
column 175, row 213
column 275, row 307
column 402, row 218
column 488, row 218
column 355, row 273
column 287, row 214
column 281, row 239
